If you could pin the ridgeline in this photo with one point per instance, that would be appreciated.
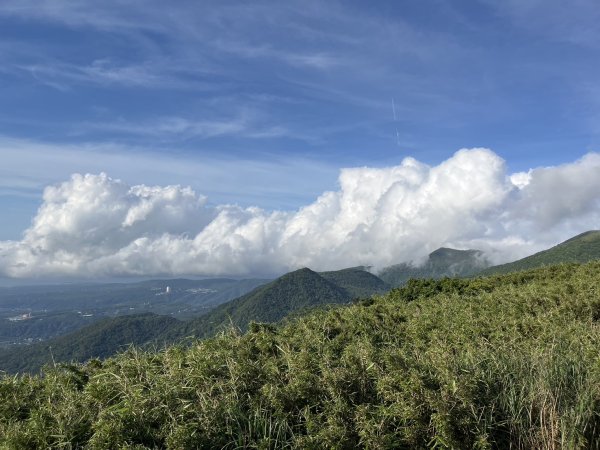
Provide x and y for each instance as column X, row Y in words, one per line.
column 444, row 262
column 579, row 249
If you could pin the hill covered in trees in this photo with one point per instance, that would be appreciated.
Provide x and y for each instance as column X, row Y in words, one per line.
column 357, row 282
column 293, row 292
column 55, row 310
column 506, row 361
column 103, row 338
column 271, row 302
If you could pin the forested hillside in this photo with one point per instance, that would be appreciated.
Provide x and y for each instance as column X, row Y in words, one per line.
column 99, row 340
column 271, row 302
column 290, row 293
column 501, row 362
column 357, row 282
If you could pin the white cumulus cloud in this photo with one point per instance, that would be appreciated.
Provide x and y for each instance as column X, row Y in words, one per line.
column 93, row 225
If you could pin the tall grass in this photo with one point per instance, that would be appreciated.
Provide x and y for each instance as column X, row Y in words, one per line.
column 503, row 362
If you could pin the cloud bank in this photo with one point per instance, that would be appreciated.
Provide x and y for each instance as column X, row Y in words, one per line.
column 93, row 225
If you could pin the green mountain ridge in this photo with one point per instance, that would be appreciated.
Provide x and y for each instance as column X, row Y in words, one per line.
column 291, row 292
column 582, row 248
column 357, row 282
column 443, row 262
column 271, row 302
column 295, row 291
column 102, row 339
column 290, row 295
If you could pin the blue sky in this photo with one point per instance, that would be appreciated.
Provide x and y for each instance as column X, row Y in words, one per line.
column 261, row 103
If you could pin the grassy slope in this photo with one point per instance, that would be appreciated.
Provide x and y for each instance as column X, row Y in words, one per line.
column 507, row 361
column 579, row 249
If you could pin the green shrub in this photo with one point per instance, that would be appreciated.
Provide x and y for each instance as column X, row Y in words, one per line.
column 501, row 362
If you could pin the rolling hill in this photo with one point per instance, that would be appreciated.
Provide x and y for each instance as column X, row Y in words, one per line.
column 443, row 262
column 579, row 249
column 271, row 302
column 290, row 293
column 357, row 282
column 99, row 340
column 55, row 310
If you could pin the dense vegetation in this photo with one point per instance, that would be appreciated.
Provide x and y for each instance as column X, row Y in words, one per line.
column 579, row 249
column 357, row 282
column 293, row 292
column 99, row 340
column 444, row 262
column 40, row 327
column 499, row 362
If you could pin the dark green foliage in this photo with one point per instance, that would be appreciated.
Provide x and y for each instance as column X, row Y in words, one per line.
column 293, row 292
column 579, row 249
column 502, row 362
column 272, row 302
column 444, row 262
column 357, row 282
column 103, row 338
column 41, row 326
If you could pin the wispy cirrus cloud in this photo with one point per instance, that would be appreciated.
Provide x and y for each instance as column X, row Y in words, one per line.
column 104, row 72
column 81, row 13
column 212, row 37
column 244, row 125
column 571, row 22
column 273, row 181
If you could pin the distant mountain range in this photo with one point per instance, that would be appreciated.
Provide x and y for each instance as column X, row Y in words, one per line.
column 290, row 294
column 448, row 262
column 444, row 262
column 59, row 309
column 294, row 291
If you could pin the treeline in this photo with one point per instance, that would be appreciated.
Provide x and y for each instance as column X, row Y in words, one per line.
column 501, row 362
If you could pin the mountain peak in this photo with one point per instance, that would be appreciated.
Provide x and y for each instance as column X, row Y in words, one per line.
column 443, row 262
column 445, row 252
